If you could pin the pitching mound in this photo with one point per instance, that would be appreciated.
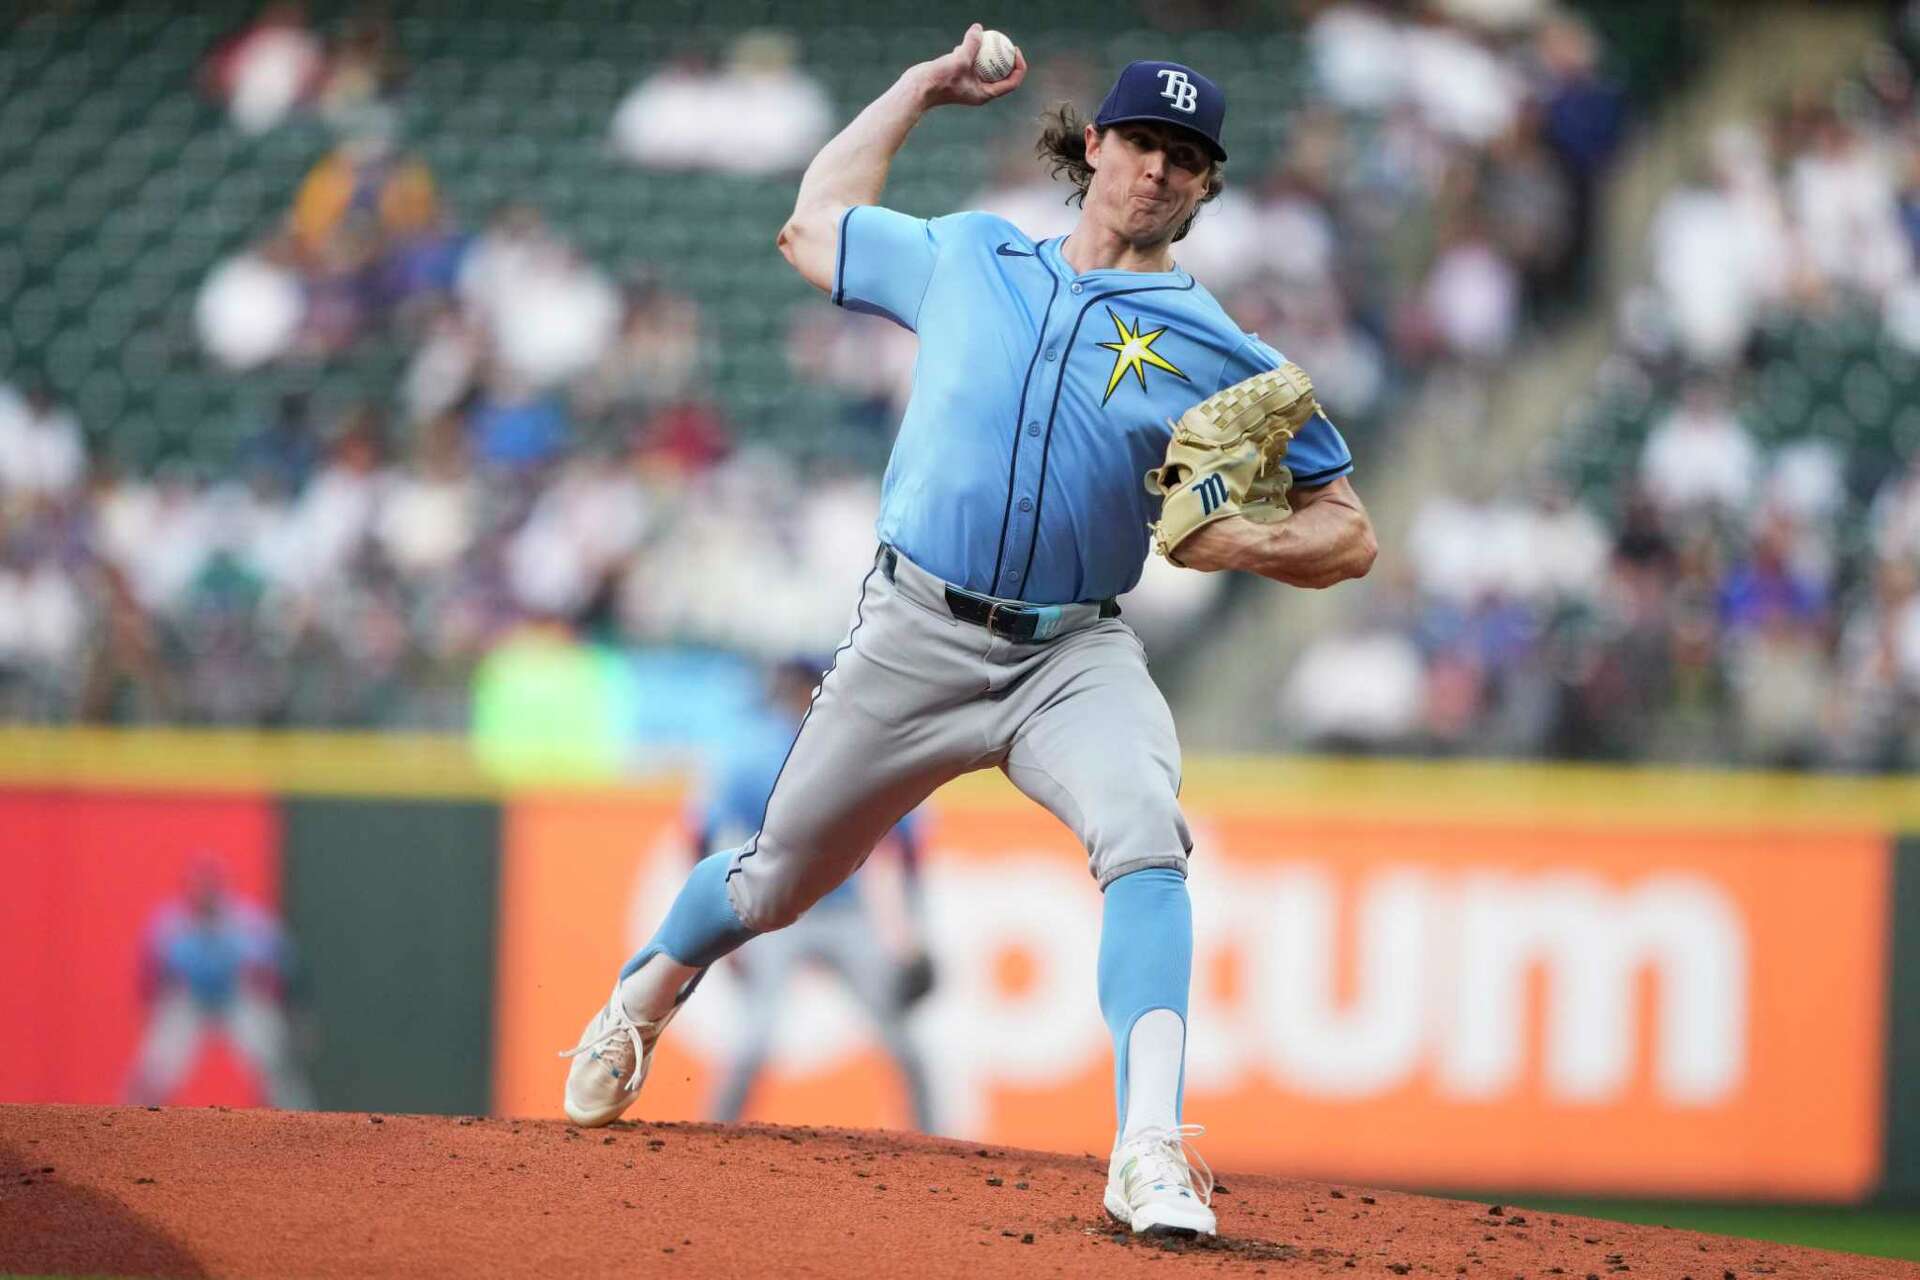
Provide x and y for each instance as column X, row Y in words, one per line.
column 130, row 1192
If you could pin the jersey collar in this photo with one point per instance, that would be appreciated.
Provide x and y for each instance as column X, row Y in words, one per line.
column 1050, row 253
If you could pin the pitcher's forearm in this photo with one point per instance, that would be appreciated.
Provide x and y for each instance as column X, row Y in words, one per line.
column 1327, row 539
column 1327, row 543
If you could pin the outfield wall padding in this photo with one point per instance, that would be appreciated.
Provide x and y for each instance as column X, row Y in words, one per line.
column 1677, row 981
column 394, row 904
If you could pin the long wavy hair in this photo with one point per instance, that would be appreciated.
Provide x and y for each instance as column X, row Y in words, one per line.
column 1063, row 149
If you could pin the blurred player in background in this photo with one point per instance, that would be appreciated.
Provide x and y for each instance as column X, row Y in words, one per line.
column 839, row 933
column 214, row 963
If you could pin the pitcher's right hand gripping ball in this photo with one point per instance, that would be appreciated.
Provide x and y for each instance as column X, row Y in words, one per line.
column 1225, row 456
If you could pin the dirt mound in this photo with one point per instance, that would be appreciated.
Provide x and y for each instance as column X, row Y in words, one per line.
column 123, row 1192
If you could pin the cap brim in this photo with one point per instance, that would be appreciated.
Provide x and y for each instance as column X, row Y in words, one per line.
column 1214, row 149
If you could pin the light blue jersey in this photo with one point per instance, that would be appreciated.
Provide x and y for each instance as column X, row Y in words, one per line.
column 1040, row 400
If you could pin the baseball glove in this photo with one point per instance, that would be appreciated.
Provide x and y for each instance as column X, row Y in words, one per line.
column 1225, row 456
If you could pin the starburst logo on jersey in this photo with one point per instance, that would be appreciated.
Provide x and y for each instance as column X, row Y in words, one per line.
column 1134, row 352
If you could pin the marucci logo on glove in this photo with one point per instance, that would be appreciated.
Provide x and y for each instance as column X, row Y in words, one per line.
column 1212, row 492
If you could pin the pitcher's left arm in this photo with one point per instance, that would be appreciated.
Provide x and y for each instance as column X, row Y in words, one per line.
column 1327, row 539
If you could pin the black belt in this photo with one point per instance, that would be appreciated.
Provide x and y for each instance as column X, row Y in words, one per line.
column 1022, row 622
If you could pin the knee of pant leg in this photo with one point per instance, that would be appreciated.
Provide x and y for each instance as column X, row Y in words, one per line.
column 1137, row 831
column 766, row 893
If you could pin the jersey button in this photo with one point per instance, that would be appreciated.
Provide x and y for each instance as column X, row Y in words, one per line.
column 1077, row 288
column 1049, row 353
column 1026, row 504
column 1033, row 428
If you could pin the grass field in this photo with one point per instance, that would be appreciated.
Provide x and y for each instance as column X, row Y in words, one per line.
column 1884, row 1233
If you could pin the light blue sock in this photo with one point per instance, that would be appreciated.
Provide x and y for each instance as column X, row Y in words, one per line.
column 701, row 925
column 1146, row 960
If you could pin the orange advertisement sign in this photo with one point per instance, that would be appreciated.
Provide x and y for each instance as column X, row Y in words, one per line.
column 1613, row 1009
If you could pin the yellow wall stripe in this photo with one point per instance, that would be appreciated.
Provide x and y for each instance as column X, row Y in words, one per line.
column 386, row 764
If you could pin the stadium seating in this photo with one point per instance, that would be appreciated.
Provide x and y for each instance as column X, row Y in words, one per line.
column 1838, row 378
column 121, row 186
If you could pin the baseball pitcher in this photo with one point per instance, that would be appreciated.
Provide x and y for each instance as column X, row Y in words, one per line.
column 1077, row 403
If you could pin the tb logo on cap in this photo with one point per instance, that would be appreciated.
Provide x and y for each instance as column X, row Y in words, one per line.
column 1183, row 93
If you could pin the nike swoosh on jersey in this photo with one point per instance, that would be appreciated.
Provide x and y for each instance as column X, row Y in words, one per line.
column 1006, row 250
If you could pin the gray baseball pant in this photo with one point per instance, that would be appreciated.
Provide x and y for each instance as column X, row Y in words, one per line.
column 917, row 697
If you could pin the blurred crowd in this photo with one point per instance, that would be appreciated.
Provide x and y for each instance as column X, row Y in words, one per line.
column 343, row 577
column 1743, row 587
column 553, row 454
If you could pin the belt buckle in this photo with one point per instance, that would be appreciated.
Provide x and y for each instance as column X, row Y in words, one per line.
column 993, row 612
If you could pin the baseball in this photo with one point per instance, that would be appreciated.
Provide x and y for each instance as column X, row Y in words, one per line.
column 995, row 59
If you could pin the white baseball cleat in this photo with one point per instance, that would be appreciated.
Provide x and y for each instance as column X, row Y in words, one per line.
column 1152, row 1186
column 610, row 1063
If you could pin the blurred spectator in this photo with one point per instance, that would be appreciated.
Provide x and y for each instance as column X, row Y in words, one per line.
column 1583, row 121
column 1356, row 53
column 124, row 676
column 657, row 358
column 1842, row 194
column 1700, row 458
column 1721, row 251
column 1530, row 210
column 761, row 114
column 251, row 306
column 1460, row 86
column 1472, row 298
column 42, row 623
column 550, row 314
column 365, row 185
column 1357, row 691
column 431, row 513
column 335, row 512
column 1878, row 720
column 446, row 364
column 1773, row 618
column 775, row 116
column 516, row 428
column 1495, row 16
column 663, row 122
column 42, row 452
column 684, row 439
column 266, row 70
column 1894, row 518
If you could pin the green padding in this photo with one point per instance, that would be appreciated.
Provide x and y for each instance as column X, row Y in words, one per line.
column 1902, row 1180
column 393, row 905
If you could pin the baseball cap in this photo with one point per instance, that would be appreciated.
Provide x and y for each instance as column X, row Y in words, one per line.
column 1171, row 93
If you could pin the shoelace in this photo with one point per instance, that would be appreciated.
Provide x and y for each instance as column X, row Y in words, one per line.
column 1167, row 1156
column 622, row 1026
